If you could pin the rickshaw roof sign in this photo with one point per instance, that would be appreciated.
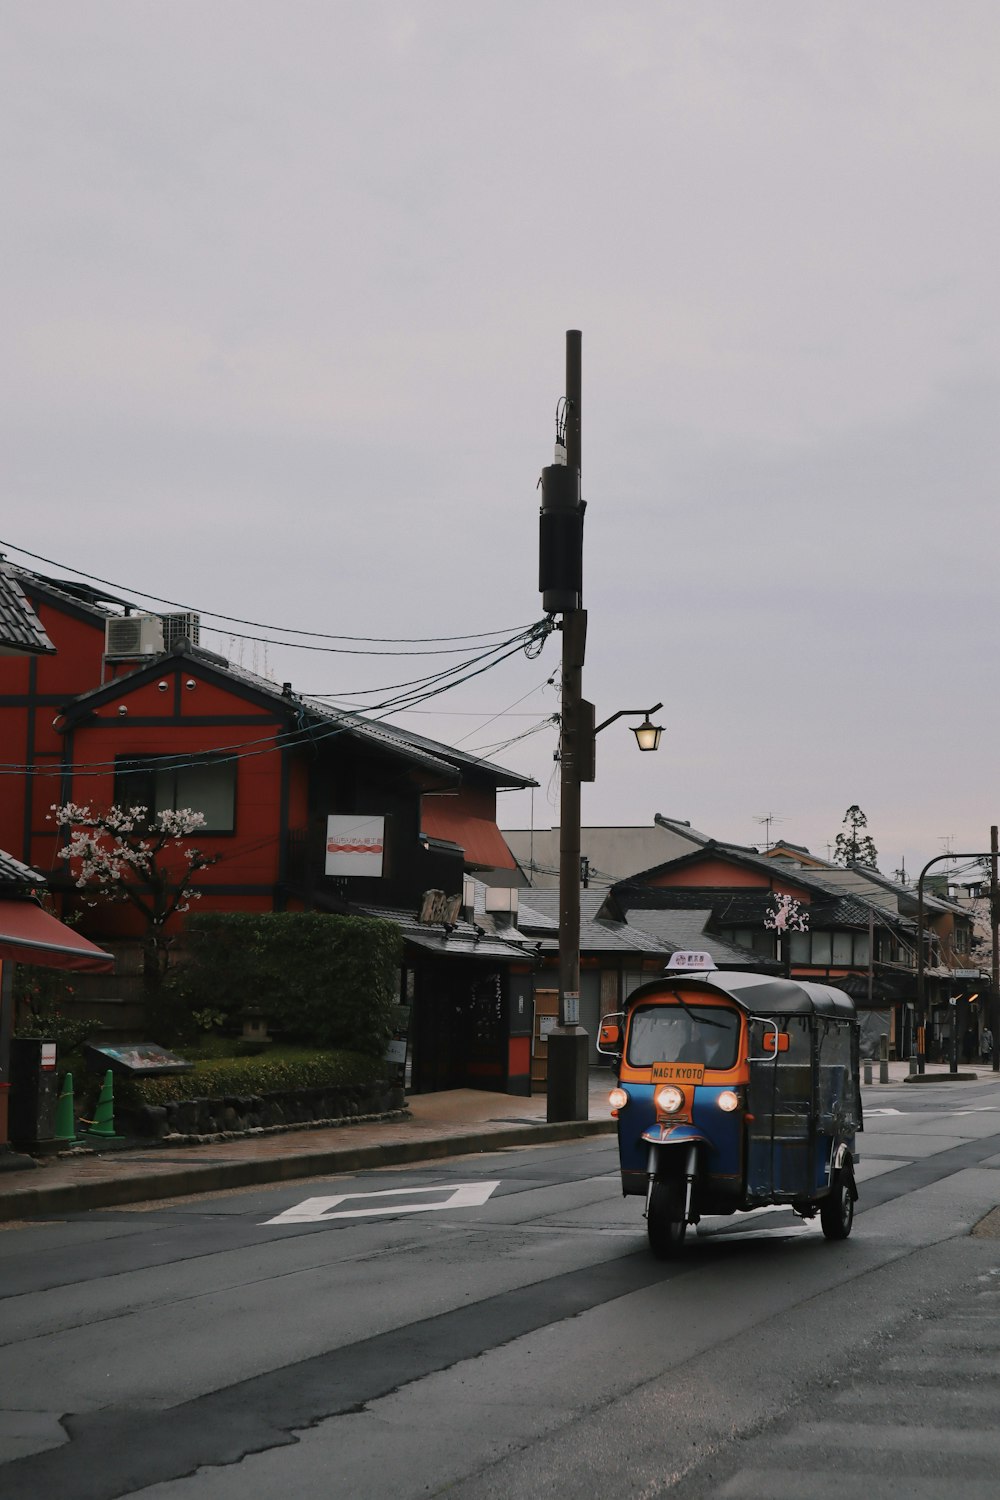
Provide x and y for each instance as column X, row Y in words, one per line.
column 762, row 994
column 689, row 959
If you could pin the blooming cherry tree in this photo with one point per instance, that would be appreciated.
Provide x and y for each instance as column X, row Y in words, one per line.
column 786, row 914
column 123, row 854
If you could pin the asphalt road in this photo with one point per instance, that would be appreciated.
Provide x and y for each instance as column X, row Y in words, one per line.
column 494, row 1326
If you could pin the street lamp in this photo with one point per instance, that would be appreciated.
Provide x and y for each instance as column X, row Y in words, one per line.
column 560, row 581
column 648, row 734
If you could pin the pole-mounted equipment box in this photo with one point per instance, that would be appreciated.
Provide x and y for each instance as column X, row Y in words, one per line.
column 560, row 552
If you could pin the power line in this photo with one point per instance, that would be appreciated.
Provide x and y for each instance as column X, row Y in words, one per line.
column 525, row 734
column 528, row 694
column 307, row 734
column 258, row 624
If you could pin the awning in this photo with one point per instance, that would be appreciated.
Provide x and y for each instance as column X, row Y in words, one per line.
column 480, row 838
column 29, row 935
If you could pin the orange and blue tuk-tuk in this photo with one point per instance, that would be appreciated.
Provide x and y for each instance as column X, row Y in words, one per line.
column 735, row 1091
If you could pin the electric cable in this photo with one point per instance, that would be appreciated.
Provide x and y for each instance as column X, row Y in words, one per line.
column 257, row 624
column 279, row 740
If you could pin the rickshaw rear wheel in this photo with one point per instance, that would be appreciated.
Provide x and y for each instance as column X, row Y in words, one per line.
column 665, row 1222
column 836, row 1211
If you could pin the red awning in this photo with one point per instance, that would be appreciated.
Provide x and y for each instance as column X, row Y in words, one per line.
column 29, row 935
column 480, row 837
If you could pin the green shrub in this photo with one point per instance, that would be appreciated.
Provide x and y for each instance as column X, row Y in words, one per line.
column 215, row 1078
column 324, row 980
column 41, row 997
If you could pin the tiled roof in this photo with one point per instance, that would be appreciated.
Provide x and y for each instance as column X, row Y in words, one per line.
column 831, row 905
column 686, row 929
column 378, row 731
column 63, row 591
column 14, row 875
column 743, row 907
column 539, row 915
column 676, row 825
column 864, row 882
column 20, row 628
column 311, row 712
column 462, row 942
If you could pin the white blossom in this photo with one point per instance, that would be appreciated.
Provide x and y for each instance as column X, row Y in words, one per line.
column 126, row 856
column 786, row 914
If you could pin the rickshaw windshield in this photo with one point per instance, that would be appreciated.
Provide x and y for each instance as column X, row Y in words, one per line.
column 706, row 1034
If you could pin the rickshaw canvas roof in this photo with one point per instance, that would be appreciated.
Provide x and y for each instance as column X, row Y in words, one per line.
column 760, row 994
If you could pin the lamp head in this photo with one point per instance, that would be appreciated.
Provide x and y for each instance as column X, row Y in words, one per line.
column 647, row 734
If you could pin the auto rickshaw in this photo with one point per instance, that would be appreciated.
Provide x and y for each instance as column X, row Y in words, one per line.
column 735, row 1091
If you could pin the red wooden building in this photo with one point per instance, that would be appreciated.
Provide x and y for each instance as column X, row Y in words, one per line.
column 130, row 710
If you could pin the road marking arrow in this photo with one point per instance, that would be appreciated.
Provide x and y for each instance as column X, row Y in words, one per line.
column 312, row 1210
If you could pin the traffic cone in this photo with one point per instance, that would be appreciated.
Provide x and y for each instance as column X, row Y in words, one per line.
column 103, row 1123
column 65, row 1128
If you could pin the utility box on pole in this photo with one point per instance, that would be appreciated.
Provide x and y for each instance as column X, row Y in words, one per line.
column 560, row 540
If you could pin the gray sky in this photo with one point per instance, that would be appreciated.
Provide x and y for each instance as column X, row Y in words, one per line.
column 285, row 292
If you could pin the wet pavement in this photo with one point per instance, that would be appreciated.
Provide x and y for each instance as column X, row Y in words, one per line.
column 452, row 1123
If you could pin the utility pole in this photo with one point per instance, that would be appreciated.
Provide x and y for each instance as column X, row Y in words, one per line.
column 560, row 581
column 567, row 1044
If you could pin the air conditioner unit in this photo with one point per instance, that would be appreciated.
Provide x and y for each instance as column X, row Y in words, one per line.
column 127, row 637
column 180, row 627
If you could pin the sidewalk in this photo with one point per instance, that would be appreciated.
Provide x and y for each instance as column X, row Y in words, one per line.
column 448, row 1124
column 938, row 1072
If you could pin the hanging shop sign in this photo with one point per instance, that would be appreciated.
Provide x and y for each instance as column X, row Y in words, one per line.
column 354, row 846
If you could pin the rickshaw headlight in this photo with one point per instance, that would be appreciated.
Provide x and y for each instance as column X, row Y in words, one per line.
column 728, row 1100
column 618, row 1098
column 669, row 1099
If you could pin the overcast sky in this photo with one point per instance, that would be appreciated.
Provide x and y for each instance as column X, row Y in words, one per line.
column 286, row 287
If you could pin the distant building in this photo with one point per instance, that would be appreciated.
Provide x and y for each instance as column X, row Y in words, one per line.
column 607, row 853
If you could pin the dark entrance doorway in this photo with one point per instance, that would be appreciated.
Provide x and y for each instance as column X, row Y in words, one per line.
column 459, row 1027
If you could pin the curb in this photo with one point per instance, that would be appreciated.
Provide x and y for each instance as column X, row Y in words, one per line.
column 941, row 1078
column 213, row 1177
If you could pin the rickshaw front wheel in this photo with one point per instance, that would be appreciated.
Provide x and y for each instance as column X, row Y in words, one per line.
column 665, row 1222
column 836, row 1211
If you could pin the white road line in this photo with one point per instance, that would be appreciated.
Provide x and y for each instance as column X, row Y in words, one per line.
column 460, row 1195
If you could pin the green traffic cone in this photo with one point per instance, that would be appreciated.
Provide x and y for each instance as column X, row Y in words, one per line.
column 65, row 1129
column 103, row 1123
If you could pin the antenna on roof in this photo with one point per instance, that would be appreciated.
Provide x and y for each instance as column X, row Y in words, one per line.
column 767, row 819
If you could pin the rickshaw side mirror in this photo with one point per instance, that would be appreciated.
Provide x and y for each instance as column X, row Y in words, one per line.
column 609, row 1035
column 775, row 1041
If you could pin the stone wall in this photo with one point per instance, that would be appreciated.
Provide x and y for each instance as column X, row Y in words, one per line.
column 239, row 1115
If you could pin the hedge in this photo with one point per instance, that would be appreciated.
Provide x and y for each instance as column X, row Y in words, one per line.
column 324, row 980
column 251, row 1075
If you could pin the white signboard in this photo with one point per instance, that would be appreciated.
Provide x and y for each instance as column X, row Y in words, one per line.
column 690, row 960
column 354, row 846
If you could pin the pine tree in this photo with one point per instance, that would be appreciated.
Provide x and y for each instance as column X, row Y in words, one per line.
column 855, row 847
